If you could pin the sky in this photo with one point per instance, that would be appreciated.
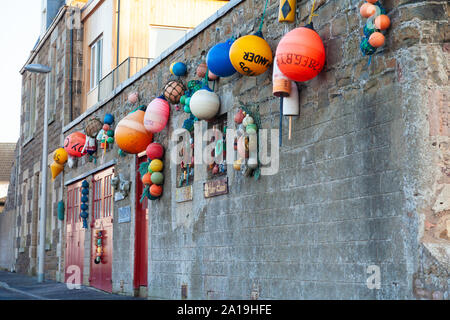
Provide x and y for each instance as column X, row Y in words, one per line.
column 19, row 31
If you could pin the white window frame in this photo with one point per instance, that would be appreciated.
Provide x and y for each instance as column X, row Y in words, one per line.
column 96, row 62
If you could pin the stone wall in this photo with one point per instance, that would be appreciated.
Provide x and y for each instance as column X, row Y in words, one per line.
column 29, row 172
column 361, row 171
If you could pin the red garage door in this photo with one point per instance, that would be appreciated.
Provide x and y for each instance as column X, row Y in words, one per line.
column 141, row 238
column 74, row 235
column 102, row 214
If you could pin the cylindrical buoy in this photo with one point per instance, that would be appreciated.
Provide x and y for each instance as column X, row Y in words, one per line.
column 281, row 83
column 291, row 104
column 286, row 12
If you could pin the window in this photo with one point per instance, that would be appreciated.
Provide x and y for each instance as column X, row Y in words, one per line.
column 30, row 107
column 52, row 85
column 161, row 38
column 96, row 63
column 218, row 138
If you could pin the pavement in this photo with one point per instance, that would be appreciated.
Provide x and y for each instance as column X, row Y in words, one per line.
column 14, row 286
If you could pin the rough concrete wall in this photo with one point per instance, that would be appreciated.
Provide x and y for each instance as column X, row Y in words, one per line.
column 423, row 41
column 353, row 180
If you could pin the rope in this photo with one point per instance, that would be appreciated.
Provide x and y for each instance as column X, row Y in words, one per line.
column 262, row 18
column 312, row 12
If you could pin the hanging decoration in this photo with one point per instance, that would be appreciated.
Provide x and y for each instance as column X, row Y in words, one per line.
column 60, row 157
column 286, row 12
column 301, row 54
column 61, row 210
column 131, row 136
column 204, row 104
column 133, row 97
column 151, row 172
column 251, row 55
column 185, row 100
column 173, row 91
column 99, row 245
column 247, row 142
column 377, row 21
column 281, row 89
column 157, row 115
column 74, row 144
column 291, row 106
column 178, row 69
column 84, row 203
column 218, row 59
column 201, row 71
column 92, row 129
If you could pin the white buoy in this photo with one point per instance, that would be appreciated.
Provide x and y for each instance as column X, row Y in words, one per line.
column 291, row 105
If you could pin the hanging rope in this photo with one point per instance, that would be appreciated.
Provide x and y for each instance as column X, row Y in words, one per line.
column 312, row 12
column 262, row 18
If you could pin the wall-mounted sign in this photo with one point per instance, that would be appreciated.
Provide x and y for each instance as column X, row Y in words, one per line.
column 124, row 214
column 215, row 187
column 183, row 194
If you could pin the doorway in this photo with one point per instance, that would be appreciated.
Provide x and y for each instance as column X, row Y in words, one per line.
column 102, row 220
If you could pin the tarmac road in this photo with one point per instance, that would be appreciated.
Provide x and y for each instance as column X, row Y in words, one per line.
column 15, row 286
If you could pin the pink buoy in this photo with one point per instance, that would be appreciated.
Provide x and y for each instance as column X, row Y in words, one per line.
column 157, row 115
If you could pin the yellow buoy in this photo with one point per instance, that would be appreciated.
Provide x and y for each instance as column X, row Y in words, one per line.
column 60, row 156
column 251, row 55
column 56, row 169
column 286, row 13
column 156, row 165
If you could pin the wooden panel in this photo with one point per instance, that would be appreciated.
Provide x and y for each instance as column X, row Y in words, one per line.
column 101, row 274
column 74, row 230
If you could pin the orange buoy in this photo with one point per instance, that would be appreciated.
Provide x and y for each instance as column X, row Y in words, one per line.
column 382, row 22
column 372, row 1
column 131, row 135
column 301, row 54
column 74, row 144
column 146, row 179
column 376, row 39
column 367, row 10
column 156, row 190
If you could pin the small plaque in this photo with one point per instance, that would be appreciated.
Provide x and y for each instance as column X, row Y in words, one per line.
column 124, row 214
column 215, row 187
column 183, row 194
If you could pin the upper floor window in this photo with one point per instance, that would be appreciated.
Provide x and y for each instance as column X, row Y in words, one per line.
column 161, row 38
column 29, row 124
column 96, row 62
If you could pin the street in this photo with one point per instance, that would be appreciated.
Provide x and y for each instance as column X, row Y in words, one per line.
column 15, row 286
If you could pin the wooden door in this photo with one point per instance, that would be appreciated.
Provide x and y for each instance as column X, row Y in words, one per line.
column 141, row 235
column 74, row 234
column 102, row 219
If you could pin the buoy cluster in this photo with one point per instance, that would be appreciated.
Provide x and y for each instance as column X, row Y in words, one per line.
column 377, row 21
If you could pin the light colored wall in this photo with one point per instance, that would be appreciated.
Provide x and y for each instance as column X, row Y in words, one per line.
column 4, row 188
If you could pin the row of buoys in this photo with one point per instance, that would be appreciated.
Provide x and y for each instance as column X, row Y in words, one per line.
column 153, row 178
column 99, row 246
column 84, row 203
column 377, row 21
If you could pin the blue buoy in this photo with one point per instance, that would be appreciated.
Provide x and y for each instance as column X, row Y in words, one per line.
column 109, row 119
column 178, row 69
column 218, row 59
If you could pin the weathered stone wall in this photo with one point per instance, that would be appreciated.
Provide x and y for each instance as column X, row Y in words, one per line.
column 357, row 177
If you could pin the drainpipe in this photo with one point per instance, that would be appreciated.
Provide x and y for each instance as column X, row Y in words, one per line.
column 71, row 73
column 118, row 32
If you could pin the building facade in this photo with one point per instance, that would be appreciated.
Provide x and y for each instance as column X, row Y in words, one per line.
column 359, row 206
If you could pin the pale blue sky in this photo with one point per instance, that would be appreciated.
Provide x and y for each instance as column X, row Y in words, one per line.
column 19, row 31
